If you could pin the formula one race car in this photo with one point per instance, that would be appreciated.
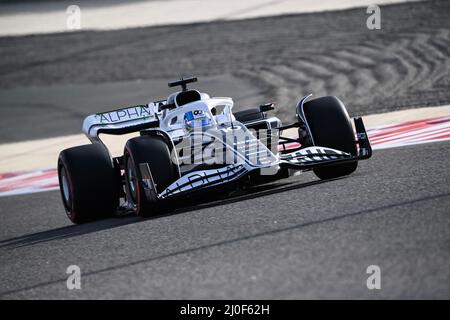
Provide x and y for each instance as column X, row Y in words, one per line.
column 192, row 143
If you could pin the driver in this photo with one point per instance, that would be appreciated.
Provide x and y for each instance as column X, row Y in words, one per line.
column 196, row 119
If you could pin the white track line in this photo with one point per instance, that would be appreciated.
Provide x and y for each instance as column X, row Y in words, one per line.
column 411, row 134
column 50, row 17
column 383, row 137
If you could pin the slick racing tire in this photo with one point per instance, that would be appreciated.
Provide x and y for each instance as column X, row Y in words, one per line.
column 154, row 151
column 249, row 115
column 330, row 127
column 88, row 182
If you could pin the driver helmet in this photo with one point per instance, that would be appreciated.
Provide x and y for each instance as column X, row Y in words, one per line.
column 196, row 119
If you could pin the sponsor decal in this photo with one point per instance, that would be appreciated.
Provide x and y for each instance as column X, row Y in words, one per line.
column 200, row 179
column 132, row 113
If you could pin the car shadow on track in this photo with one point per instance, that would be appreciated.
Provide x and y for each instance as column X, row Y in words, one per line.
column 192, row 205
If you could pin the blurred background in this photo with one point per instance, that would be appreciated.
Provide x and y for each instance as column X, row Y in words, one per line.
column 254, row 51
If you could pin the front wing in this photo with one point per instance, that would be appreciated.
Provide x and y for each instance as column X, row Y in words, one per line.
column 313, row 157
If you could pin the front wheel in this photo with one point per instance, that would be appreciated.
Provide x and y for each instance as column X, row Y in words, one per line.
column 330, row 127
column 154, row 153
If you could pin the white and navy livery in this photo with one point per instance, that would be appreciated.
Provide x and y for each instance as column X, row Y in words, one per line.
column 192, row 143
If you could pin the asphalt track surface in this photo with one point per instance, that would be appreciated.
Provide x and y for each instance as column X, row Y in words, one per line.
column 297, row 238
column 60, row 109
column 403, row 65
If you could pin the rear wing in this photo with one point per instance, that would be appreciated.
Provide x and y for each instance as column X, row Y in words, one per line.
column 122, row 121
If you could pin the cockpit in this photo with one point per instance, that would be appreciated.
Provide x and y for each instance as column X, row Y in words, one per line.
column 191, row 109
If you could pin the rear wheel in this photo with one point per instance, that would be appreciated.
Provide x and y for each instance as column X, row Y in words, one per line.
column 154, row 151
column 330, row 127
column 88, row 182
